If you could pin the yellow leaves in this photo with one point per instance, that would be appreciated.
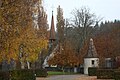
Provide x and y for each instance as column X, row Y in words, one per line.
column 17, row 24
column 11, row 56
column 6, row 1
column 33, row 57
column 33, row 44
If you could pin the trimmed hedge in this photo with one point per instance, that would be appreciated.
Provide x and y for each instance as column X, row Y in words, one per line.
column 41, row 72
column 4, row 75
column 105, row 74
column 53, row 69
column 117, row 75
column 22, row 75
column 92, row 71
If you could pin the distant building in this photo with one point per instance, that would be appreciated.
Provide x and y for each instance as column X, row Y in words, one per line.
column 108, row 63
column 91, row 58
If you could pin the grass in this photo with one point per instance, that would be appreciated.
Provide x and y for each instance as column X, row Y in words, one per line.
column 59, row 73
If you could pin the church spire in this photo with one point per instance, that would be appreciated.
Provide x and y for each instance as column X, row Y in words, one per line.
column 52, row 30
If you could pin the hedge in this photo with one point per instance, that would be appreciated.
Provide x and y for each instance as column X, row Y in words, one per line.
column 105, row 74
column 22, row 74
column 53, row 69
column 117, row 75
column 4, row 75
column 41, row 72
column 92, row 71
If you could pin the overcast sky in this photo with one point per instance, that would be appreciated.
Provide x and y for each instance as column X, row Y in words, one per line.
column 108, row 9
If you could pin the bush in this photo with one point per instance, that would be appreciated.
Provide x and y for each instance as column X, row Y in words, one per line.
column 22, row 75
column 41, row 72
column 117, row 75
column 53, row 69
column 4, row 75
column 105, row 73
column 92, row 71
column 17, row 75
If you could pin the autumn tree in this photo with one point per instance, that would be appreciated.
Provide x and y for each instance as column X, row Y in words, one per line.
column 42, row 33
column 107, row 40
column 16, row 29
column 37, row 41
column 65, row 57
column 12, row 23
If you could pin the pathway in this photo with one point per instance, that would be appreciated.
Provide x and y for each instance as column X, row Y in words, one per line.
column 69, row 77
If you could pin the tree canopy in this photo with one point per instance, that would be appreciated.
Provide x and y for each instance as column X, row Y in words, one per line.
column 17, row 28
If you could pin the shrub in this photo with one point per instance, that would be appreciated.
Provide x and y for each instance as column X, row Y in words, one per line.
column 53, row 69
column 105, row 73
column 92, row 71
column 41, row 72
column 22, row 75
column 117, row 75
column 4, row 75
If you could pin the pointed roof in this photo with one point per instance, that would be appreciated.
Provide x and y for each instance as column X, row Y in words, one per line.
column 52, row 29
column 92, row 53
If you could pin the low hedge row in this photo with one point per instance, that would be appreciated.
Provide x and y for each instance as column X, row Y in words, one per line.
column 22, row 74
column 92, row 71
column 41, row 72
column 117, row 75
column 4, row 75
column 53, row 69
column 104, row 73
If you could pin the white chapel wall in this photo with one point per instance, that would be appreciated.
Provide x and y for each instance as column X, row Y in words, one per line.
column 88, row 63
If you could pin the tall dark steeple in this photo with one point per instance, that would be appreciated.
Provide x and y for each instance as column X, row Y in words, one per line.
column 52, row 30
column 52, row 37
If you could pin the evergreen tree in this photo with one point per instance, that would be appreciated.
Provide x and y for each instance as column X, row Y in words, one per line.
column 60, row 24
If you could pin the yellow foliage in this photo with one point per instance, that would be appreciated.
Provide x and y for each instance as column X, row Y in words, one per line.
column 16, row 28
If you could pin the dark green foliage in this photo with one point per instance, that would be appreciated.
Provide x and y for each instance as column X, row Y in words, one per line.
column 41, row 72
column 92, row 71
column 117, row 75
column 4, row 75
column 22, row 75
column 105, row 73
column 53, row 69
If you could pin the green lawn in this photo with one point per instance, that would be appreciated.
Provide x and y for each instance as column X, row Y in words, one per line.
column 59, row 73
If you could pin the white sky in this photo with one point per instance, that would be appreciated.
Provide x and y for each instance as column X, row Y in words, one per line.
column 108, row 9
